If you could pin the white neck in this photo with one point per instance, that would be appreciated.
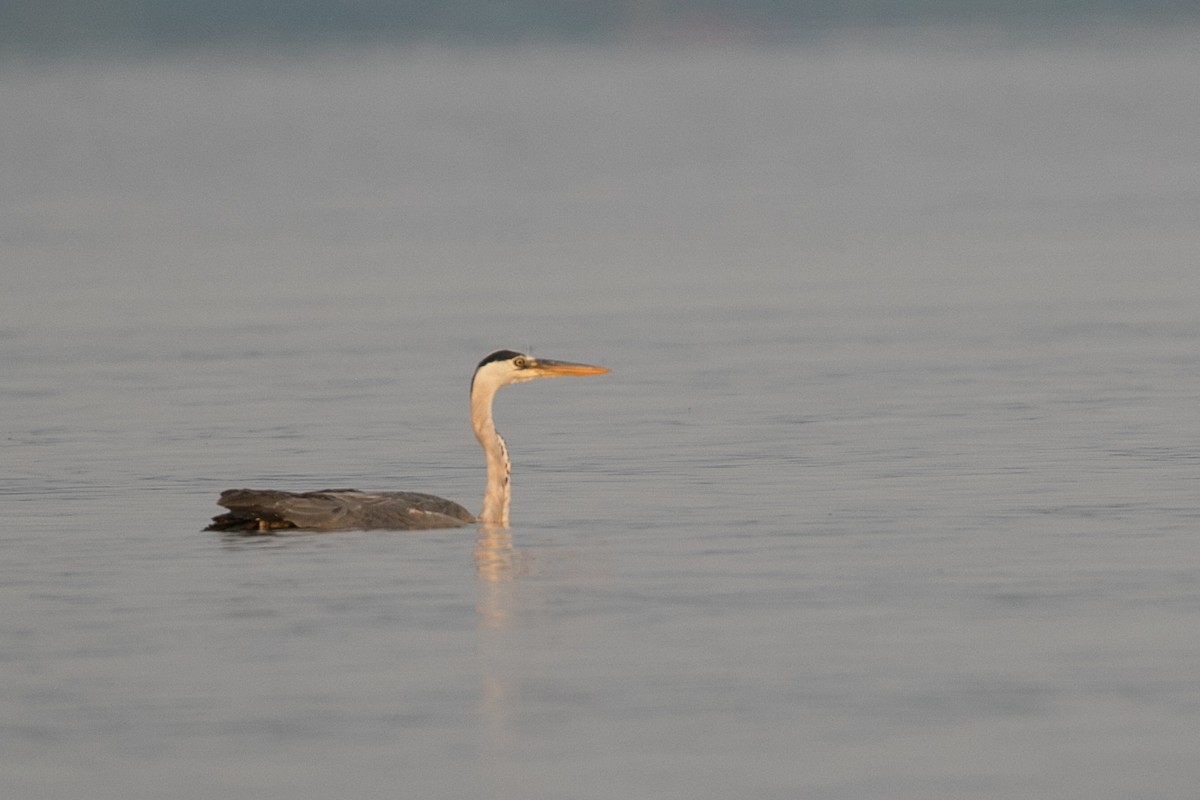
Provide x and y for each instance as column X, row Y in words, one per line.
column 496, row 494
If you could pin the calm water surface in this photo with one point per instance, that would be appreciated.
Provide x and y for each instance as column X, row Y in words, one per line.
column 891, row 493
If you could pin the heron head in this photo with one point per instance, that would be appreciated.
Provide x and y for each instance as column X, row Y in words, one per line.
column 508, row 366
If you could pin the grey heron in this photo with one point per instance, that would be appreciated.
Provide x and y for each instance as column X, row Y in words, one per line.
column 343, row 509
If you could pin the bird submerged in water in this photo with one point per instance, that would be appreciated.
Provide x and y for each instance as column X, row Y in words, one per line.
column 347, row 509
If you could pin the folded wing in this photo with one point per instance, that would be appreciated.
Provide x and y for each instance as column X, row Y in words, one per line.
column 336, row 509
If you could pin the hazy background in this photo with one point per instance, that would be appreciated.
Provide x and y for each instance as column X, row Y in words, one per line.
column 65, row 25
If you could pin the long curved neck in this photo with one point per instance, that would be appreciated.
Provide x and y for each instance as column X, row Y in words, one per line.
column 496, row 493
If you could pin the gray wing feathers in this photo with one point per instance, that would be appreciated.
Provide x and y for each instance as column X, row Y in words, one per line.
column 337, row 509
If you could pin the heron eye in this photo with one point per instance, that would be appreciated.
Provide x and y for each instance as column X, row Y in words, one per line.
column 519, row 362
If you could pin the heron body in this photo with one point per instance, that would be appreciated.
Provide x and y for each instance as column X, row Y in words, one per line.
column 345, row 509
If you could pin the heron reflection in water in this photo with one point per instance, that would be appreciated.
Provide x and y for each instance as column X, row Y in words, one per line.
column 345, row 509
